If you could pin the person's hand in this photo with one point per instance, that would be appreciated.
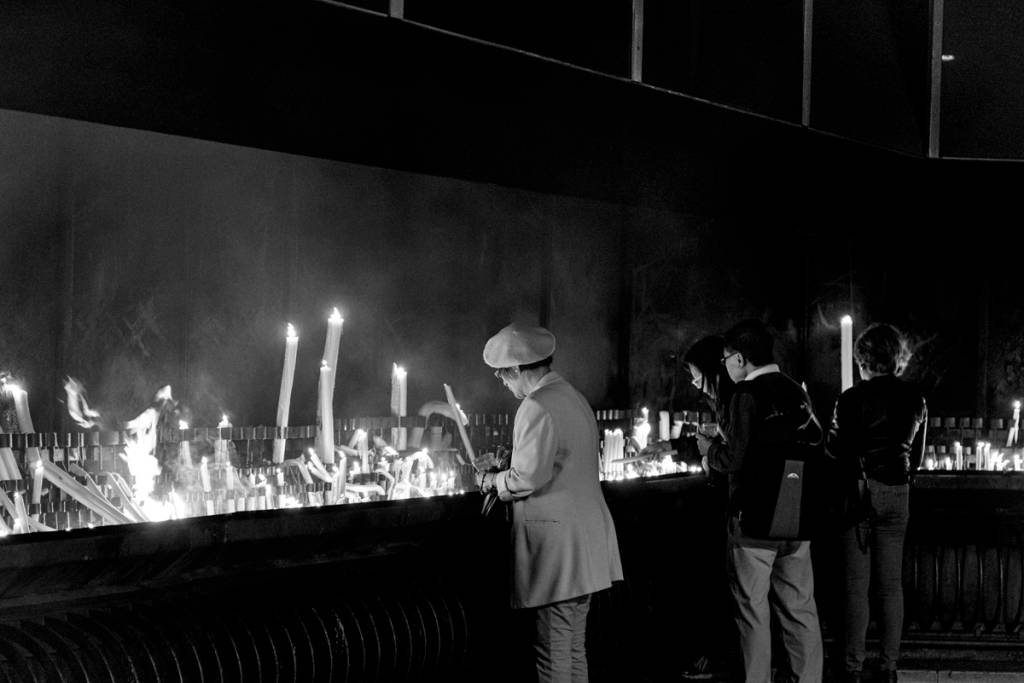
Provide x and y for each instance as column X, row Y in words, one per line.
column 485, row 481
column 657, row 448
column 703, row 444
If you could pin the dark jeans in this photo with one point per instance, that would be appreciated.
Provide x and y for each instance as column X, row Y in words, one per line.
column 560, row 641
column 874, row 549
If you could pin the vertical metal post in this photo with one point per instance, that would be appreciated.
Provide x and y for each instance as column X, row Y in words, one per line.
column 396, row 9
column 636, row 48
column 935, row 103
column 984, row 323
column 66, row 308
column 805, row 105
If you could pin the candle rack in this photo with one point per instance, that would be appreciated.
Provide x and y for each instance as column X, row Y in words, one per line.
column 963, row 444
column 89, row 478
column 213, row 470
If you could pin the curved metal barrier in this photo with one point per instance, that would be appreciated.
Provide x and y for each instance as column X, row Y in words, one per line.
column 369, row 638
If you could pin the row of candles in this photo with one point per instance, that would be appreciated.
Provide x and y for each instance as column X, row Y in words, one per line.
column 623, row 457
column 982, row 458
column 213, row 485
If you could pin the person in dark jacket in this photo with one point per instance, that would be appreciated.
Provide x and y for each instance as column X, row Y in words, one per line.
column 771, row 579
column 708, row 376
column 878, row 428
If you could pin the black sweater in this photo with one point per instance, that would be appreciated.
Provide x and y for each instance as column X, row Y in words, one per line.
column 881, row 422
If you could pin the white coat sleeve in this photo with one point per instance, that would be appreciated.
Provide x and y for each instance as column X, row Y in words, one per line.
column 533, row 453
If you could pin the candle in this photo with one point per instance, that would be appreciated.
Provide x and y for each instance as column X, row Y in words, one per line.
column 642, row 430
column 280, row 477
column 325, row 440
column 184, row 447
column 664, row 427
column 37, row 481
column 21, row 408
column 220, row 446
column 204, row 475
column 398, row 438
column 398, row 390
column 846, row 330
column 456, row 410
column 332, row 344
column 1014, row 434
column 958, row 456
column 284, row 397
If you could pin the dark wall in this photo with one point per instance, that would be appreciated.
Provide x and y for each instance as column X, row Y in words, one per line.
column 632, row 220
column 135, row 259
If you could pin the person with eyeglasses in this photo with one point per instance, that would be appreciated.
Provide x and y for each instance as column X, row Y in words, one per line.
column 563, row 538
column 708, row 376
column 770, row 579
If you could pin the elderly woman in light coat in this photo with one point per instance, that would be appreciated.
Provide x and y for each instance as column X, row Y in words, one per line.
column 563, row 536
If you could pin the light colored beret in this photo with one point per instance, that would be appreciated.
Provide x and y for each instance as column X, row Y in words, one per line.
column 518, row 345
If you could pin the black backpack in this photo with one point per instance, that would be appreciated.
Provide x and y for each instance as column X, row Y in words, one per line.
column 784, row 488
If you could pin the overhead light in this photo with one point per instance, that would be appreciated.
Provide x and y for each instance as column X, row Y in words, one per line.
column 948, row 58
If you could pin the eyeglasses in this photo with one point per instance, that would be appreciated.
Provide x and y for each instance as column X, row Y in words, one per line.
column 506, row 373
column 725, row 359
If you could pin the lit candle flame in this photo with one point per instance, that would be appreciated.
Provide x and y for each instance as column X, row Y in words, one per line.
column 291, row 332
column 224, row 421
column 182, row 424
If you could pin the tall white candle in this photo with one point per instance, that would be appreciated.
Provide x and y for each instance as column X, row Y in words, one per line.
column 325, row 442
column 284, row 398
column 642, row 430
column 184, row 447
column 21, row 408
column 664, row 425
column 204, row 475
column 1014, row 434
column 220, row 446
column 332, row 344
column 399, row 398
column 846, row 330
column 37, row 481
